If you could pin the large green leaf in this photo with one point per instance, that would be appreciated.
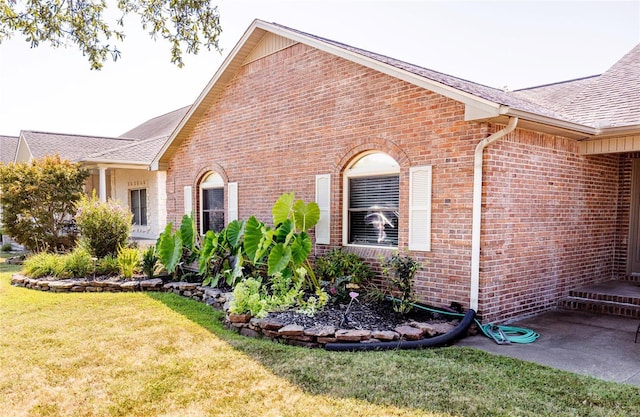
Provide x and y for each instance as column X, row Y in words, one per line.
column 257, row 239
column 301, row 248
column 209, row 243
column 282, row 208
column 278, row 258
column 188, row 232
column 235, row 230
column 169, row 249
column 306, row 215
column 285, row 232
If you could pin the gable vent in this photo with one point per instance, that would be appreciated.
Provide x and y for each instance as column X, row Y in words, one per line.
column 268, row 45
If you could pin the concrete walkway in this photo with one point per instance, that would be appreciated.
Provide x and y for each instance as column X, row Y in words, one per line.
column 584, row 343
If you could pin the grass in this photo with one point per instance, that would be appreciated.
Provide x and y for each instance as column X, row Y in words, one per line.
column 154, row 354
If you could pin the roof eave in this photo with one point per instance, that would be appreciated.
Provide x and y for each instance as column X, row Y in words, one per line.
column 250, row 39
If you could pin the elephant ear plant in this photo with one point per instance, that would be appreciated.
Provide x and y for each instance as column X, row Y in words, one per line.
column 180, row 247
column 221, row 255
column 286, row 247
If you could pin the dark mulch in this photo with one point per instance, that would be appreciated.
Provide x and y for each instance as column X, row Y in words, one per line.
column 360, row 316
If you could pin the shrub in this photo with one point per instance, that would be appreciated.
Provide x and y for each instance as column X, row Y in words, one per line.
column 43, row 264
column 248, row 297
column 104, row 226
column 342, row 272
column 107, row 266
column 400, row 271
column 76, row 264
column 38, row 199
column 128, row 261
column 149, row 262
column 6, row 247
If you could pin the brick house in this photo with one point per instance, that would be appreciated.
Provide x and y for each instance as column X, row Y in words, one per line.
column 509, row 199
column 119, row 166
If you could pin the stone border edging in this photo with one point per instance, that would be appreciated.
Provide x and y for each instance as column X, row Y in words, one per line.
column 244, row 324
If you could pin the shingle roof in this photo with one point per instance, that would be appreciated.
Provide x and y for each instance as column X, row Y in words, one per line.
column 160, row 126
column 8, row 146
column 139, row 151
column 71, row 147
column 557, row 94
column 613, row 99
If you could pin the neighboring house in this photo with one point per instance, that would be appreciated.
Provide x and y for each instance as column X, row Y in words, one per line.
column 8, row 146
column 119, row 166
column 508, row 200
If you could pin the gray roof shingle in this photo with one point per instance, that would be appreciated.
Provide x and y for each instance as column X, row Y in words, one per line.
column 71, row 147
column 8, row 146
column 161, row 126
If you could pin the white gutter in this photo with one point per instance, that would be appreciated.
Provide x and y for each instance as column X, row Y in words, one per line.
column 477, row 208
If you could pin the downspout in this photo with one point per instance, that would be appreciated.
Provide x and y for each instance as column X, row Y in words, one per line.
column 477, row 208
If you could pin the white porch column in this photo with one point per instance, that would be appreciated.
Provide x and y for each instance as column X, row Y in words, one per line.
column 102, row 188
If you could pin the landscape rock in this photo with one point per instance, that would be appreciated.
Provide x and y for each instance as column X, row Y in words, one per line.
column 409, row 332
column 291, row 330
column 345, row 335
column 320, row 331
column 385, row 335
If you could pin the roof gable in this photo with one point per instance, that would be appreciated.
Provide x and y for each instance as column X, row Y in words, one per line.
column 573, row 116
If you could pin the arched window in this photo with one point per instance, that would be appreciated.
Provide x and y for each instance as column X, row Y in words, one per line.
column 212, row 203
column 372, row 198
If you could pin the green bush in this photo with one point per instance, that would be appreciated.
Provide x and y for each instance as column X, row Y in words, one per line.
column 342, row 272
column 43, row 264
column 107, row 266
column 6, row 247
column 76, row 264
column 104, row 226
column 128, row 261
column 249, row 297
column 149, row 262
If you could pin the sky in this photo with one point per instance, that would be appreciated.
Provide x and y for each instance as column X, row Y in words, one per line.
column 512, row 44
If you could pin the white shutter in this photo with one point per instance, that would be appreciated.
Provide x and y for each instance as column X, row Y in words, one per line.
column 323, row 198
column 420, row 208
column 232, row 201
column 188, row 200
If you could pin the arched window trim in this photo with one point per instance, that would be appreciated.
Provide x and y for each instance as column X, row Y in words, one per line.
column 353, row 171
column 210, row 181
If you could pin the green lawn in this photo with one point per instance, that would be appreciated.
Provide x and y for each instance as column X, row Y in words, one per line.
column 151, row 354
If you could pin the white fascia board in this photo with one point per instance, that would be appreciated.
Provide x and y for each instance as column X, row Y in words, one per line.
column 390, row 70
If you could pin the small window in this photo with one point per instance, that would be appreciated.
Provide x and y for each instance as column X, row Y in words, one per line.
column 138, row 200
column 212, row 203
column 373, row 194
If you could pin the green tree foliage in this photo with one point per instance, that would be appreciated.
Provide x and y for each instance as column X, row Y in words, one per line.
column 38, row 200
column 96, row 29
column 104, row 226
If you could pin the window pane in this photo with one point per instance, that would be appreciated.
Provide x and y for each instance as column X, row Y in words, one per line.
column 213, row 209
column 135, row 206
column 373, row 210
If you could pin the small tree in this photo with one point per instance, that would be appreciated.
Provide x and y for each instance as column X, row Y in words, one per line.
column 38, row 201
column 104, row 226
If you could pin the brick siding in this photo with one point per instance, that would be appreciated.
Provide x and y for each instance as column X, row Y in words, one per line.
column 301, row 112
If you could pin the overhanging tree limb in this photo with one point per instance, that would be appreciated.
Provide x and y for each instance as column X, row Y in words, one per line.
column 187, row 25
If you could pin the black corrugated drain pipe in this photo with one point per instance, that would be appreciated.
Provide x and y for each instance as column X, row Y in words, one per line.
column 457, row 333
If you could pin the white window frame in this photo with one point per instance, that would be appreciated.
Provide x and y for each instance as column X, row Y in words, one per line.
column 211, row 180
column 355, row 173
column 146, row 206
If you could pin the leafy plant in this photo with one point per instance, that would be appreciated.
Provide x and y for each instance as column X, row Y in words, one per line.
column 149, row 262
column 104, row 226
column 43, row 264
column 248, row 297
column 128, row 261
column 107, row 266
column 169, row 249
column 6, row 247
column 38, row 201
column 77, row 263
column 286, row 247
column 342, row 271
column 221, row 255
column 400, row 271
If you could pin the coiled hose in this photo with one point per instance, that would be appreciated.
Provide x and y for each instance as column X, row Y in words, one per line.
column 500, row 334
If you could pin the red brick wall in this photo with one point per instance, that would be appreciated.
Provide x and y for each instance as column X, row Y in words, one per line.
column 301, row 112
column 550, row 222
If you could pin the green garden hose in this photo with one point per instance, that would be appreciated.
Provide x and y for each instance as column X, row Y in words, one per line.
column 502, row 335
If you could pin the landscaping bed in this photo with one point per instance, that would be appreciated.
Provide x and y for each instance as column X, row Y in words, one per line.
column 363, row 323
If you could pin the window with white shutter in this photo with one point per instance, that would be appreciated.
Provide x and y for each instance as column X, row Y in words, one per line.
column 420, row 208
